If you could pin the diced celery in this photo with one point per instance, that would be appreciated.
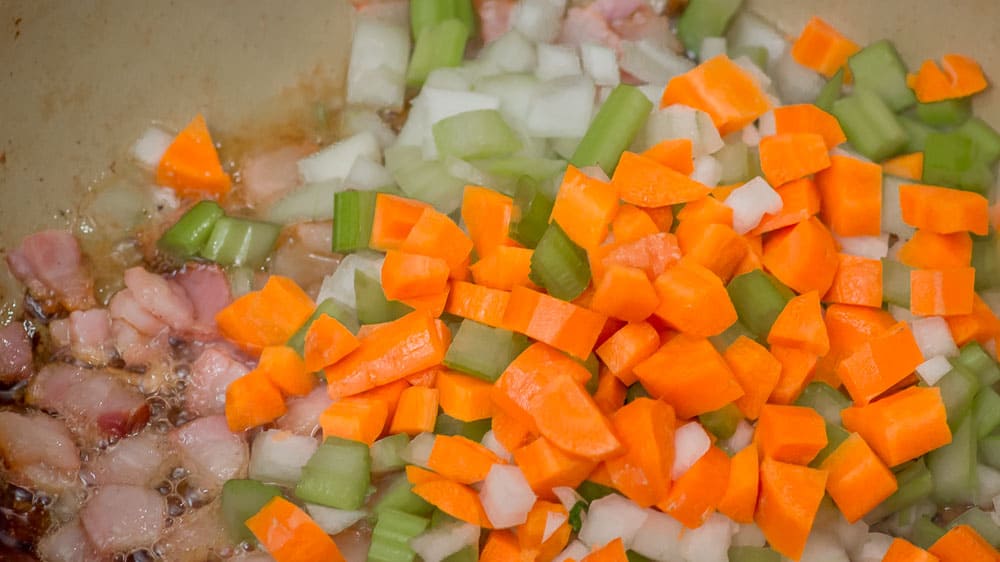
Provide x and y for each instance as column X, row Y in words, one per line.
column 753, row 554
column 734, row 158
column 946, row 113
column 825, row 399
column 982, row 522
column 427, row 13
column 636, row 390
column 386, row 453
column 591, row 491
column 731, row 334
column 916, row 131
column 396, row 494
column 977, row 361
column 475, row 134
column 758, row 55
column 705, row 18
column 986, row 139
column 241, row 499
column 986, row 411
column 958, row 390
column 613, row 129
column 559, row 265
column 467, row 554
column 353, row 213
column 953, row 467
column 440, row 518
column 926, row 532
column 330, row 308
column 870, row 125
column 373, row 307
column 835, row 435
column 188, row 235
column 392, row 535
column 633, row 556
column 483, row 351
column 831, row 91
column 538, row 169
column 951, row 159
column 534, row 209
column 240, row 242
column 915, row 484
column 576, row 514
column 896, row 282
column 337, row 475
column 473, row 430
column 758, row 299
column 879, row 69
column 593, row 366
column 722, row 422
column 439, row 46
column 989, row 450
column 986, row 260
column 426, row 180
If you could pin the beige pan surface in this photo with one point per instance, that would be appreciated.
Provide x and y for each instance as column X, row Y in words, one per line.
column 82, row 78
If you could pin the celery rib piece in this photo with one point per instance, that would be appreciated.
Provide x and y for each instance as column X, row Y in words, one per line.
column 559, row 265
column 613, row 129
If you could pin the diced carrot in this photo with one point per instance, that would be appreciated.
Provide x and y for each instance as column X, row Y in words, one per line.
column 851, row 194
column 957, row 77
column 652, row 254
column 719, row 87
column 800, row 325
column 797, row 365
column 610, row 393
column 722, row 192
column 881, row 362
column 907, row 166
column 757, row 372
column 799, row 201
column 823, row 49
column 807, row 118
column 327, row 342
column 418, row 475
column 504, row 268
column 857, row 281
column 416, row 411
column 432, row 304
column 413, row 275
column 719, row 248
column 642, row 473
column 676, row 154
column 901, row 550
column 566, row 415
column 662, row 216
column 944, row 210
column 398, row 349
column 902, row 426
column 266, row 317
column 614, row 551
column 629, row 346
column 804, row 256
column 252, row 400
column 982, row 325
column 535, row 535
column 487, row 215
column 386, row 393
column 436, row 235
column 694, row 300
column 791, row 156
column 511, row 431
column 394, row 219
column 752, row 260
column 357, row 419
column 457, row 500
column 707, row 210
column 625, row 293
column 463, row 397
column 740, row 499
column 848, row 328
column 942, row 292
column 585, row 207
column 427, row 377
column 286, row 370
column 929, row 250
column 792, row 434
column 963, row 544
column 858, row 480
column 690, row 375
column 479, row 303
column 546, row 466
column 789, row 499
column 460, row 459
column 290, row 535
column 501, row 546
column 190, row 165
column 647, row 183
column 697, row 493
column 632, row 223
column 562, row 325
column 528, row 374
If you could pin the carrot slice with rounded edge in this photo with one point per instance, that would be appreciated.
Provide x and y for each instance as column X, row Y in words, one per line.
column 676, row 154
column 628, row 347
column 461, row 502
column 290, row 535
column 902, row 550
column 463, row 397
column 460, row 459
column 632, row 223
column 191, row 166
column 799, row 200
column 857, row 281
column 792, row 434
column 803, row 257
column 535, row 535
column 757, row 372
column 642, row 472
column 740, row 499
column 930, row 250
column 286, row 370
column 357, row 419
column 881, row 362
column 614, row 551
column 504, row 268
column 585, row 207
column 393, row 220
column 903, row 425
column 982, row 325
column 567, row 415
column 807, row 118
column 694, row 300
column 327, row 341
column 851, row 196
column 416, row 412
column 942, row 292
column 719, row 87
column 957, row 77
column 800, row 325
column 647, row 183
column 546, row 466
column 791, row 156
column 963, row 544
column 487, row 216
column 610, row 393
column 511, row 431
column 797, row 365
column 697, row 493
column 858, row 480
column 625, row 293
column 789, row 499
column 944, row 210
column 822, row 48
column 252, row 400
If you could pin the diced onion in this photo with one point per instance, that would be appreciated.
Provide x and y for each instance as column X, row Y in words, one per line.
column 418, row 452
column 333, row 520
column 710, row 542
column 556, row 61
column 750, row 202
column 872, row 247
column 552, row 523
column 659, row 536
column 933, row 336
column 875, row 547
column 749, row 534
column 449, row 78
column 750, row 30
column 376, row 73
column 506, row 496
column 601, row 64
column 796, row 83
column 366, row 175
column 334, row 162
column 490, row 442
column 278, row 456
column 339, row 286
column 651, row 63
column 707, row 170
column 562, row 108
column 691, row 442
column 931, row 370
column 149, row 148
column 711, row 47
column 511, row 53
column 612, row 517
column 892, row 212
column 900, row 314
column 767, row 125
column 441, row 542
column 357, row 120
column 821, row 547
column 741, row 438
column 576, row 550
column 567, row 496
column 538, row 20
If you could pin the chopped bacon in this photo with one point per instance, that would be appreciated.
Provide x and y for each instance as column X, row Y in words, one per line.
column 494, row 18
column 210, row 451
column 15, row 353
column 124, row 306
column 140, row 460
column 645, row 25
column 303, row 413
column 120, row 518
column 90, row 337
column 165, row 300
column 618, row 9
column 68, row 543
column 51, row 265
column 38, row 451
column 207, row 287
column 587, row 25
column 267, row 175
column 138, row 349
column 197, row 535
column 211, row 373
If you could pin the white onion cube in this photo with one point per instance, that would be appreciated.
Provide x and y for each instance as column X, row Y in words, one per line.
column 650, row 62
column 339, row 285
column 556, row 61
column 376, row 73
column 750, row 202
column 538, row 20
column 821, row 547
column 875, row 547
column 711, row 47
column 741, row 438
column 506, row 495
column 336, row 160
column 612, row 517
column 707, row 170
column 511, row 53
column 419, row 450
column 278, row 456
column 149, row 148
column 601, row 64
column 576, row 550
column 933, row 369
column 567, row 496
column 691, row 442
column 552, row 523
column 659, row 537
column 562, row 108
column 490, row 442
column 441, row 542
column 710, row 542
column 933, row 336
column 749, row 534
column 366, row 175
column 871, row 247
column 333, row 520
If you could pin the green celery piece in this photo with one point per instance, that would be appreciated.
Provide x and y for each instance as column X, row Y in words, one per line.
column 441, row 45
column 915, row 484
column 986, row 260
column 730, row 335
column 483, row 351
column 951, row 159
column 758, row 55
column 835, row 435
column 633, row 556
column 989, row 450
column 392, row 535
column 241, row 280
column 870, row 125
column 591, row 491
column 188, row 235
column 825, row 399
column 576, row 515
column 475, row 134
column 337, row 475
column 946, row 113
column 636, row 390
column 593, row 366
column 753, row 554
column 372, row 306
column 925, row 532
column 426, row 180
column 240, row 242
column 426, row 13
column 439, row 518
column 958, row 389
column 896, row 282
column 831, row 91
column 473, row 430
column 973, row 357
column 559, row 265
column 538, row 169
column 981, row 521
column 465, row 12
column 328, row 307
column 613, row 129
column 758, row 299
column 734, row 157
column 722, row 422
column 705, row 18
column 986, row 411
column 953, row 466
column 534, row 209
column 879, row 69
column 986, row 139
column 241, row 499
column 916, row 132
column 397, row 495
column 353, row 214
column 386, row 453
column 467, row 554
